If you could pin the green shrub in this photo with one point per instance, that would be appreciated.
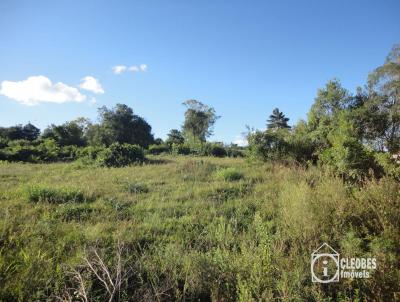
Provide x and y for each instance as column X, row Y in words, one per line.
column 120, row 155
column 181, row 149
column 229, row 174
column 214, row 149
column 390, row 167
column 37, row 194
column 269, row 145
column 158, row 149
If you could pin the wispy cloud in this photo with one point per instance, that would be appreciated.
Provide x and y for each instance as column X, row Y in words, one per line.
column 143, row 67
column 118, row 69
column 39, row 89
column 134, row 68
column 91, row 84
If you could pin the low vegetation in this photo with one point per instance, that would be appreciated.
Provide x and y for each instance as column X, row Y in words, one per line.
column 179, row 231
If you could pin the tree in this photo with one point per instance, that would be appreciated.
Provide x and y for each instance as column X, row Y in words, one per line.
column 269, row 144
column 175, row 137
column 28, row 132
column 69, row 133
column 199, row 121
column 385, row 81
column 121, row 125
column 277, row 120
column 330, row 101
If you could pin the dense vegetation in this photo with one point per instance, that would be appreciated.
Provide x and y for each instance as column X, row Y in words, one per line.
column 121, row 216
column 190, row 228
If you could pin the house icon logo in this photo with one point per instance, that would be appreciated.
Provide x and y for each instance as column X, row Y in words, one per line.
column 325, row 264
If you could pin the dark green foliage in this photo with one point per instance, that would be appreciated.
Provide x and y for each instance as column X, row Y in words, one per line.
column 120, row 125
column 56, row 196
column 175, row 137
column 214, row 149
column 158, row 149
column 269, row 145
column 180, row 149
column 277, row 120
column 38, row 151
column 120, row 155
column 69, row 133
column 27, row 132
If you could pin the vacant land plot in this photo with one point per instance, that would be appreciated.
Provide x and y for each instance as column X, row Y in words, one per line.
column 190, row 228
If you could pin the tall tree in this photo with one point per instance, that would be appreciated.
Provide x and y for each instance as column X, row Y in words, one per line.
column 199, row 120
column 385, row 82
column 330, row 101
column 121, row 125
column 175, row 137
column 277, row 120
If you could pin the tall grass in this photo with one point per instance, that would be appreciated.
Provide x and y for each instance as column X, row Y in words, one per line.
column 177, row 232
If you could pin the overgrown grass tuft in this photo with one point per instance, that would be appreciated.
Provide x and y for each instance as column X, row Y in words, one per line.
column 229, row 174
column 37, row 193
column 136, row 188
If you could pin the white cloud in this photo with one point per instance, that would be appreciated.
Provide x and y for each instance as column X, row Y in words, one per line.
column 134, row 68
column 91, row 84
column 38, row 89
column 119, row 69
column 240, row 140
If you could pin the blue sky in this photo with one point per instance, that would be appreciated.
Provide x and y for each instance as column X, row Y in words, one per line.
column 244, row 58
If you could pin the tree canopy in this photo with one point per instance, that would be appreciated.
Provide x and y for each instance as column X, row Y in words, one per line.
column 199, row 120
column 277, row 120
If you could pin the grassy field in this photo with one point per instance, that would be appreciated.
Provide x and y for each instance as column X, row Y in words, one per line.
column 190, row 229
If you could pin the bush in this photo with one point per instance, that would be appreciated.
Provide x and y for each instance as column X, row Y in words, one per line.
column 233, row 151
column 158, row 149
column 349, row 159
column 181, row 149
column 229, row 174
column 214, row 149
column 269, row 145
column 37, row 194
column 388, row 164
column 120, row 155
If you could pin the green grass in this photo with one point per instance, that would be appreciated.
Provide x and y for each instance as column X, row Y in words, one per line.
column 186, row 229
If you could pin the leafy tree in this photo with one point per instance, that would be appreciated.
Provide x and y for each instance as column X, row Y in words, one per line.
column 158, row 141
column 30, row 132
column 121, row 125
column 385, row 80
column 199, row 121
column 69, row 133
column 27, row 132
column 347, row 156
column 175, row 137
column 277, row 120
column 330, row 100
column 269, row 144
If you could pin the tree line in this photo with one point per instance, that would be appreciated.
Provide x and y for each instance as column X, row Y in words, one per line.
column 353, row 134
